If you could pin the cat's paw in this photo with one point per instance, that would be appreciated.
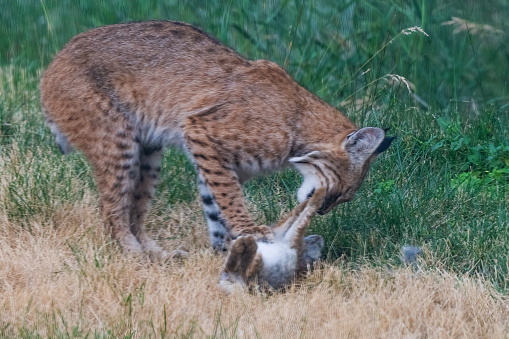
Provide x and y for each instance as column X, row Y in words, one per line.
column 130, row 245
column 244, row 244
column 241, row 255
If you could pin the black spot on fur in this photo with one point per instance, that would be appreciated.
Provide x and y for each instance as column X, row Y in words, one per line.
column 236, row 160
column 127, row 155
column 218, row 235
column 207, row 200
column 145, row 167
column 197, row 142
column 213, row 216
column 198, row 155
column 151, row 150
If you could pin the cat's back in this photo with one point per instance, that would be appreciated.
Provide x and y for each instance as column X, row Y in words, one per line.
column 148, row 45
column 147, row 69
column 165, row 66
column 157, row 73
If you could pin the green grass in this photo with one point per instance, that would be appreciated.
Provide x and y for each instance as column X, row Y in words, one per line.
column 442, row 185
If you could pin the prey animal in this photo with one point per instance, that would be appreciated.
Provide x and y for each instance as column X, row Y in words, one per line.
column 122, row 93
column 276, row 263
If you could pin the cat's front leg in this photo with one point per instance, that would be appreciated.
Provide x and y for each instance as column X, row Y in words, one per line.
column 220, row 189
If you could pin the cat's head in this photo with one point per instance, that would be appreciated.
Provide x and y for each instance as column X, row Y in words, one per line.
column 340, row 165
column 313, row 245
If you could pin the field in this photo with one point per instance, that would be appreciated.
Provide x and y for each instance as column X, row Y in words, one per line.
column 435, row 72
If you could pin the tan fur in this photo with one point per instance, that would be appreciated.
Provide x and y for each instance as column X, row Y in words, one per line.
column 245, row 261
column 122, row 93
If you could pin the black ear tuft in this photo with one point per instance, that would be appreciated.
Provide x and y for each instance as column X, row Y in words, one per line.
column 384, row 145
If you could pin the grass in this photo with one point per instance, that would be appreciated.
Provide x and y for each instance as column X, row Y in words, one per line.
column 72, row 283
column 443, row 185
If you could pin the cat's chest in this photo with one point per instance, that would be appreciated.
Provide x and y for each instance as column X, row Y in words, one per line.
column 279, row 263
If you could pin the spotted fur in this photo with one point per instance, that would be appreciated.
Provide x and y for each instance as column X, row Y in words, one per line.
column 122, row 93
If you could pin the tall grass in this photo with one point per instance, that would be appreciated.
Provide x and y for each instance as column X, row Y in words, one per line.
column 443, row 185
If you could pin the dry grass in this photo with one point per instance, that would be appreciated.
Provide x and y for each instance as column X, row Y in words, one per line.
column 64, row 276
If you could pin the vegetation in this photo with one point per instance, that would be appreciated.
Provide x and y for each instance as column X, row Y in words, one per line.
column 435, row 72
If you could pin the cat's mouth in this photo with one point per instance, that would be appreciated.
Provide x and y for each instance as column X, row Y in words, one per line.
column 328, row 203
column 323, row 211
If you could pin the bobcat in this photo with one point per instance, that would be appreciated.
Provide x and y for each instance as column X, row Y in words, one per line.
column 276, row 263
column 122, row 93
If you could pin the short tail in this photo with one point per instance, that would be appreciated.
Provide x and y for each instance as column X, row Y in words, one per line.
column 61, row 140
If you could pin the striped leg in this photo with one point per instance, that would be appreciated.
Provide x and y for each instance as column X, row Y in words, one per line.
column 217, row 231
column 116, row 169
column 150, row 167
column 220, row 188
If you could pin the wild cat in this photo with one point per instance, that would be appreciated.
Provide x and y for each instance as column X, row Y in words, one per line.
column 279, row 262
column 122, row 93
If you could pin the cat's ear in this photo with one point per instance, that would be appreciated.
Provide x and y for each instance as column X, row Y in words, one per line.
column 313, row 248
column 362, row 144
